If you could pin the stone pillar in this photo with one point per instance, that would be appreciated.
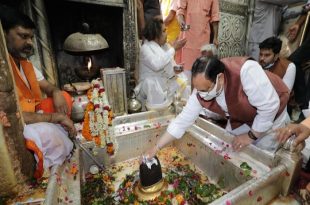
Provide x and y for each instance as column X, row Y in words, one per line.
column 17, row 163
column 233, row 27
column 44, row 59
column 130, row 36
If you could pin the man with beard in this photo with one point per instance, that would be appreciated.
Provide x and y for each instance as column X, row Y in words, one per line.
column 270, row 60
column 47, row 120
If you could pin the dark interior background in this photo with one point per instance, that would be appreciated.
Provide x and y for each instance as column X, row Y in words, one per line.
column 66, row 17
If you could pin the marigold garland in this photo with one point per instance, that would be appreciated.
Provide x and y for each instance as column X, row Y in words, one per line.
column 98, row 119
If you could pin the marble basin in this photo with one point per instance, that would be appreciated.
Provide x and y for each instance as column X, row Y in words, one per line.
column 204, row 144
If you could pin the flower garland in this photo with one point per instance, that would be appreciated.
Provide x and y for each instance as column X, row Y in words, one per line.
column 98, row 119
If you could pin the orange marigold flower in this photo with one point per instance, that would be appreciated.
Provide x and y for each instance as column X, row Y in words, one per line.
column 97, row 140
column 179, row 198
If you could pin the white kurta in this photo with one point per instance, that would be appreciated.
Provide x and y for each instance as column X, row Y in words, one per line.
column 261, row 94
column 289, row 77
column 156, row 83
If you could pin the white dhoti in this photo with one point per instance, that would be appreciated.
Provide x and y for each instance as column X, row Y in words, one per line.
column 51, row 139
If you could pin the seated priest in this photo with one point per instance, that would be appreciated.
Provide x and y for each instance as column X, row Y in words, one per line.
column 253, row 102
column 157, row 80
column 47, row 120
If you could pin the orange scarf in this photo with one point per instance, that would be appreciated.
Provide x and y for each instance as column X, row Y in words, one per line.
column 28, row 97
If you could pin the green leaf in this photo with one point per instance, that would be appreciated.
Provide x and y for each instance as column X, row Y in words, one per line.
column 245, row 166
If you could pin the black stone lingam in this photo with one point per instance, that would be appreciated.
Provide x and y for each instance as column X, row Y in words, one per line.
column 149, row 177
column 151, row 182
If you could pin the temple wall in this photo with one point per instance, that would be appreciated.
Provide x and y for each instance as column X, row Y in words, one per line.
column 233, row 27
column 17, row 164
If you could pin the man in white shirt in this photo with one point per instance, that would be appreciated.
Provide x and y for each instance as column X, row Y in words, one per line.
column 224, row 86
column 270, row 60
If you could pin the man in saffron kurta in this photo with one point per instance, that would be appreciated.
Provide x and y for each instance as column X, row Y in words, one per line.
column 198, row 14
column 47, row 122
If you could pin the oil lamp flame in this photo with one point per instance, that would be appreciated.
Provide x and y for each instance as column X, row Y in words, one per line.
column 89, row 64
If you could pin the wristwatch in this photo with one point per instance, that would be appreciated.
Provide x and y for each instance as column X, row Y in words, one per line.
column 252, row 135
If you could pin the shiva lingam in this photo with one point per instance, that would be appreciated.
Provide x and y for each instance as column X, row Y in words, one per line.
column 151, row 182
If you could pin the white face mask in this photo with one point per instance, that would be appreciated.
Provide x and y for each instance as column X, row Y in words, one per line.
column 212, row 93
column 268, row 66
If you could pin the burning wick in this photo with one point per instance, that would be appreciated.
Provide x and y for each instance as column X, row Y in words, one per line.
column 89, row 64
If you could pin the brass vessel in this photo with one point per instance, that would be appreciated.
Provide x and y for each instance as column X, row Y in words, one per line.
column 151, row 192
column 134, row 105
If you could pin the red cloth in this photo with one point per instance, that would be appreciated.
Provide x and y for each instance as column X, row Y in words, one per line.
column 47, row 104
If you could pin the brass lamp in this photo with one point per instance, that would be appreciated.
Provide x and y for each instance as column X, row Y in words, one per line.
column 84, row 42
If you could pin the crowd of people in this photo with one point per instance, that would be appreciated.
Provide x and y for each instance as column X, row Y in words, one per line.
column 174, row 34
column 187, row 39
column 266, row 85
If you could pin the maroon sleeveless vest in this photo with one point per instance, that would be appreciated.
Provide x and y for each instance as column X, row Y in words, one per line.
column 239, row 109
column 280, row 67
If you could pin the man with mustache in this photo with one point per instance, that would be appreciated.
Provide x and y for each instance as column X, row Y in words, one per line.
column 269, row 59
column 47, row 120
